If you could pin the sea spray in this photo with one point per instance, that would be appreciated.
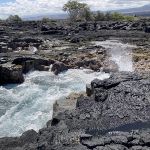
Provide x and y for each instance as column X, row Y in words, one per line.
column 120, row 53
column 30, row 104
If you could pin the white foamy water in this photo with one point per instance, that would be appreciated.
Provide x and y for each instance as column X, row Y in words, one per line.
column 120, row 53
column 29, row 105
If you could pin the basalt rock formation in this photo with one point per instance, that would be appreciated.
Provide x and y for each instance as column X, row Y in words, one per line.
column 19, row 36
column 10, row 73
column 114, row 116
column 115, row 113
column 69, row 44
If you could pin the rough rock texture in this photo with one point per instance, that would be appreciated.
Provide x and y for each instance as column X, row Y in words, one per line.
column 59, row 67
column 121, row 103
column 141, row 58
column 115, row 116
column 68, row 43
column 18, row 143
column 10, row 73
column 32, row 63
column 14, row 36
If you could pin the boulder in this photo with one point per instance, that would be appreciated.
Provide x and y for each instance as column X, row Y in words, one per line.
column 31, row 63
column 59, row 67
column 147, row 29
column 89, row 91
column 28, row 66
column 10, row 73
column 76, row 39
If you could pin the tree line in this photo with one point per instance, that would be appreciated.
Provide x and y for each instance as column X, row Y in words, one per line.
column 78, row 11
column 81, row 12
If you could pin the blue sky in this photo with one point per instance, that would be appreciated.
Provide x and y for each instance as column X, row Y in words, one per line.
column 37, row 7
column 6, row 1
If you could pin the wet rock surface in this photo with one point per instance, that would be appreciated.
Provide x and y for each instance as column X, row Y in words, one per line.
column 114, row 116
column 10, row 73
column 59, row 67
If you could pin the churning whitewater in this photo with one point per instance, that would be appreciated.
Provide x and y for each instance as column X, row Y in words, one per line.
column 120, row 53
column 29, row 105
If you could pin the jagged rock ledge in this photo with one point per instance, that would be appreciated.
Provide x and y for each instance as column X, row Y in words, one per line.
column 19, row 65
column 12, row 71
column 114, row 116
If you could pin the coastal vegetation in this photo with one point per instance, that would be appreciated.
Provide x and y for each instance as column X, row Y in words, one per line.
column 81, row 12
column 14, row 18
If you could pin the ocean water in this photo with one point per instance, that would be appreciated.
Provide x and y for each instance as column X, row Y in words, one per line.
column 29, row 105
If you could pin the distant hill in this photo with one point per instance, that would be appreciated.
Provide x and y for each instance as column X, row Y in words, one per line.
column 51, row 16
column 140, row 11
column 144, row 13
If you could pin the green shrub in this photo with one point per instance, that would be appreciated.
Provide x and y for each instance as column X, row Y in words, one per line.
column 77, row 11
column 14, row 18
column 81, row 12
column 108, row 16
column 87, row 15
column 117, row 16
column 129, row 18
column 99, row 16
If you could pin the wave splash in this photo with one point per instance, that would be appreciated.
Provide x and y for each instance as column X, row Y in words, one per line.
column 29, row 105
column 120, row 53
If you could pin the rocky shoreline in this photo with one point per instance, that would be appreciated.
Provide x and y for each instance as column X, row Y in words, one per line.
column 113, row 114
column 36, row 45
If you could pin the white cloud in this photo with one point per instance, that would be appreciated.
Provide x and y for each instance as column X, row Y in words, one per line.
column 31, row 7
column 115, row 4
column 36, row 7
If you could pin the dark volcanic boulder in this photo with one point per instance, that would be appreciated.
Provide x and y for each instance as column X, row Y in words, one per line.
column 147, row 29
column 27, row 63
column 10, row 73
column 59, row 67
column 31, row 63
column 76, row 39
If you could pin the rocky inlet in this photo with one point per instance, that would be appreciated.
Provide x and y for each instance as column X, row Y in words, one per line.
column 42, row 64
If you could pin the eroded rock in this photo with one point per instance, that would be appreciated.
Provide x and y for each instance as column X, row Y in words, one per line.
column 10, row 73
column 59, row 67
